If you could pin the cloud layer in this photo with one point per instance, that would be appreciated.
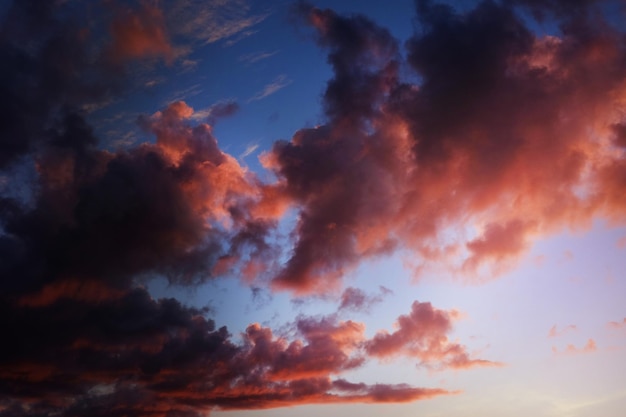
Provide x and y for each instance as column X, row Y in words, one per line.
column 507, row 136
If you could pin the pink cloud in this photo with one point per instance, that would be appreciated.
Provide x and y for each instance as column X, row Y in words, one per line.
column 554, row 332
column 423, row 334
column 617, row 324
column 140, row 33
column 570, row 349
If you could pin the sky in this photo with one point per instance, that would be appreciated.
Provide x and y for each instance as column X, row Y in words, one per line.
column 236, row 208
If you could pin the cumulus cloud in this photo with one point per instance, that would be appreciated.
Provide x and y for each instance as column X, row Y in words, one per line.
column 570, row 349
column 80, row 348
column 508, row 136
column 498, row 135
column 423, row 334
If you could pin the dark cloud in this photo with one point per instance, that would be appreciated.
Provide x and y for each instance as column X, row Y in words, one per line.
column 515, row 133
column 497, row 133
column 422, row 334
column 79, row 348
column 156, row 208
column 355, row 299
column 49, row 69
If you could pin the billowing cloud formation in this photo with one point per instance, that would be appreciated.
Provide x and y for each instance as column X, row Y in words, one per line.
column 509, row 135
column 179, row 207
column 86, row 349
column 50, row 69
column 423, row 334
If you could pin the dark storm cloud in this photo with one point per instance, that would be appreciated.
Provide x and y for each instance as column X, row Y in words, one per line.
column 152, row 209
column 84, row 339
column 81, row 349
column 502, row 131
column 48, row 68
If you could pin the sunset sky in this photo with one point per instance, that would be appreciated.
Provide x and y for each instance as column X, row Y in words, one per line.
column 244, row 208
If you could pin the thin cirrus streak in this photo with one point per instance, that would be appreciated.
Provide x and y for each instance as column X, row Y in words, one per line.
column 498, row 134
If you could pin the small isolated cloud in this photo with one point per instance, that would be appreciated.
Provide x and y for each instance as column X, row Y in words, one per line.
column 188, row 65
column 570, row 349
column 423, row 334
column 621, row 242
column 279, row 83
column 356, row 299
column 217, row 111
column 617, row 324
column 152, row 82
column 554, row 331
column 250, row 149
column 183, row 94
column 256, row 56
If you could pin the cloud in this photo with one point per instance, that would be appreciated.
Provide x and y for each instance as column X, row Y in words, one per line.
column 570, row 349
column 554, row 332
column 496, row 135
column 52, row 69
column 422, row 334
column 140, row 33
column 213, row 21
column 279, row 83
column 250, row 149
column 78, row 348
column 253, row 57
column 217, row 111
column 355, row 299
column 616, row 324
column 176, row 207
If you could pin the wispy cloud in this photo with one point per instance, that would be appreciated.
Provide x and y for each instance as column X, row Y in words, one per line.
column 253, row 57
column 250, row 149
column 616, row 324
column 216, row 20
column 279, row 83
column 554, row 331
column 216, row 111
column 184, row 93
column 570, row 349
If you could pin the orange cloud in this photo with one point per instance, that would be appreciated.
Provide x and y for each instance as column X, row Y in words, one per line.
column 422, row 334
column 502, row 141
column 554, row 332
column 153, row 357
column 140, row 33
column 616, row 324
column 589, row 347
